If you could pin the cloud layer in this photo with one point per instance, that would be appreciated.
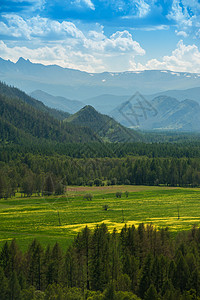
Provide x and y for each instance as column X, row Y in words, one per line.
column 102, row 35
column 66, row 44
column 185, row 58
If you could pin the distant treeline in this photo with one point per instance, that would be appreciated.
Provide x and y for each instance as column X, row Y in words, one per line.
column 30, row 174
column 188, row 149
column 143, row 262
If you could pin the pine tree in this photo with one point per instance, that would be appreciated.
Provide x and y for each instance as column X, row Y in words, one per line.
column 49, row 188
column 34, row 258
column 182, row 273
column 145, row 280
column 151, row 293
column 109, row 293
column 99, row 271
column 5, row 261
column 3, row 285
column 14, row 287
column 56, row 264
column 82, row 245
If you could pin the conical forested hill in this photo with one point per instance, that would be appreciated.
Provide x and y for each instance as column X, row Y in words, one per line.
column 106, row 127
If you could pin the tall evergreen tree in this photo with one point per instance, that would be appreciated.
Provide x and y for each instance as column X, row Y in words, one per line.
column 14, row 288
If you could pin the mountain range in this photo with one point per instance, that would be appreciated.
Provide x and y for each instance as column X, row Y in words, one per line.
column 161, row 113
column 24, row 119
column 55, row 90
column 75, row 84
column 64, row 104
column 171, row 113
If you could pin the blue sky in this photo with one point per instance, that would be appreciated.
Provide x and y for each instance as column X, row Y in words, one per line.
column 103, row 35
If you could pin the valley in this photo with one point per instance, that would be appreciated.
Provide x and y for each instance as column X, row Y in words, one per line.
column 60, row 218
column 100, row 150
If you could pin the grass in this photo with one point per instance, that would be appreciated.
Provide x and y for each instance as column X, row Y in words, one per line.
column 51, row 219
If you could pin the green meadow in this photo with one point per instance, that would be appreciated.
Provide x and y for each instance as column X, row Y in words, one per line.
column 59, row 218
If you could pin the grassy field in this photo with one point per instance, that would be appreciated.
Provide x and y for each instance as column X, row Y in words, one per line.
column 51, row 219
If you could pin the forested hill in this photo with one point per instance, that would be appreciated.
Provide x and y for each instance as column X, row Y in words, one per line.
column 23, row 118
column 106, row 127
column 12, row 92
column 21, row 121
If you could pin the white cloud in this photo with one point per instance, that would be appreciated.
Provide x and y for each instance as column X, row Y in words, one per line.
column 87, row 3
column 36, row 27
column 67, row 45
column 120, row 42
column 154, row 28
column 59, row 54
column 137, row 8
column 181, row 33
column 179, row 13
column 143, row 8
column 33, row 5
column 192, row 4
column 198, row 34
column 185, row 13
column 131, row 8
column 16, row 27
column 183, row 59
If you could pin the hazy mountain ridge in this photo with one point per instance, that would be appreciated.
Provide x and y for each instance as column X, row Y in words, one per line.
column 80, row 85
column 167, row 113
column 99, row 90
column 106, row 103
column 21, row 120
column 13, row 92
column 173, row 114
column 192, row 93
column 66, row 105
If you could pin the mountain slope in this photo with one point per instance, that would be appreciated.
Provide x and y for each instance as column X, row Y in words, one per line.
column 104, row 126
column 193, row 94
column 70, row 106
column 13, row 92
column 20, row 119
column 163, row 113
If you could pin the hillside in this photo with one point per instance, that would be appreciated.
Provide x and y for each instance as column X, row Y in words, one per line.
column 12, row 92
column 20, row 121
column 67, row 105
column 193, row 94
column 104, row 126
column 162, row 113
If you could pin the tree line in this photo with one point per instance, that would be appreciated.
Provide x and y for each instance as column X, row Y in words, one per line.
column 135, row 263
column 36, row 174
column 9, row 151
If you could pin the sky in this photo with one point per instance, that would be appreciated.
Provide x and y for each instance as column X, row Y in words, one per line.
column 103, row 35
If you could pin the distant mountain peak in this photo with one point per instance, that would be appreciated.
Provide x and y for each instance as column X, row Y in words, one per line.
column 76, row 84
column 85, row 115
column 104, row 126
column 23, row 60
column 190, row 102
column 88, row 108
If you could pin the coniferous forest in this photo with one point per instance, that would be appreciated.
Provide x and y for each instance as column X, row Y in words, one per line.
column 37, row 144
column 42, row 154
column 142, row 263
column 29, row 173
